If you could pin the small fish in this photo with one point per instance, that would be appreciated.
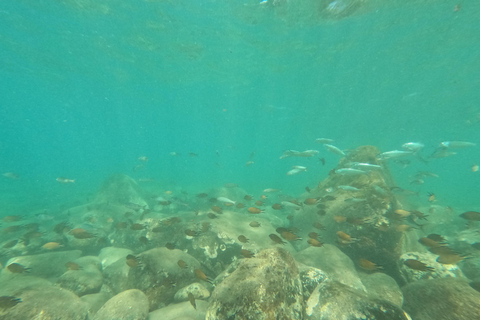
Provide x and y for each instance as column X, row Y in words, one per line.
column 270, row 190
column 73, row 266
column 247, row 197
column 475, row 168
column 170, row 246
column 277, row 206
column 310, row 201
column 17, row 268
column 174, row 154
column 368, row 265
column 427, row 242
column 289, row 236
column 442, row 153
column 193, row 154
column 242, row 239
column 403, row 228
column 345, row 238
column 471, row 215
column 191, row 298
column 216, row 209
column 247, row 254
column 417, row 265
column 423, row 174
column 51, row 245
column 402, row 213
column 10, row 244
column 303, row 154
column 334, row 150
column 143, row 158
column 395, row 154
column 350, row 172
column 255, row 224
column 296, row 170
column 355, row 200
column 314, row 242
column 12, row 218
column 366, row 166
column 202, row 195
column 259, row 203
column 348, row 188
column 182, row 264
column 255, row 210
column 431, row 197
column 11, row 175
column 413, row 146
column 7, row 302
column 249, row 163
column 225, row 200
column 137, row 226
column 65, row 180
column 132, row 261
column 313, row 235
column 191, row 233
column 318, row 225
column 323, row 140
column 436, row 237
column 276, row 239
column 202, row 276
column 457, row 144
column 322, row 160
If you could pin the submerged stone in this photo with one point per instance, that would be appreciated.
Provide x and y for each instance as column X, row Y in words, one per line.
column 265, row 287
column 127, row 305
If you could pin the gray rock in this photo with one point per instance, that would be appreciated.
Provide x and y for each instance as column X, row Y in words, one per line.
column 95, row 301
column 47, row 302
column 127, row 305
column 110, row 255
column 333, row 300
column 46, row 265
column 471, row 267
column 180, row 311
column 115, row 275
column 87, row 280
column 197, row 289
column 311, row 277
column 383, row 287
column 265, row 287
column 441, row 299
column 331, row 260
column 120, row 188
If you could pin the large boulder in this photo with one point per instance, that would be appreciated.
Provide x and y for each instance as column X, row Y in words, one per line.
column 181, row 311
column 87, row 280
column 382, row 286
column 441, row 299
column 127, row 305
column 265, row 287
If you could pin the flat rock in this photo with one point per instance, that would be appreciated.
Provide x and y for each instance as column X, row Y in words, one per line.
column 331, row 260
column 180, row 311
column 441, row 299
column 265, row 287
column 127, row 305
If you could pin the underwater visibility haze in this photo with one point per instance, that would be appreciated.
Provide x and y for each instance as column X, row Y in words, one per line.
column 239, row 159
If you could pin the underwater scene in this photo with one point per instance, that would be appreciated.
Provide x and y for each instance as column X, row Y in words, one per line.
column 239, row 159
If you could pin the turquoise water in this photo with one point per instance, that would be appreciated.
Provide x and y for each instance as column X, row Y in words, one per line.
column 90, row 86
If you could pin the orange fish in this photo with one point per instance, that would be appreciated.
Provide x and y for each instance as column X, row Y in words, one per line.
column 431, row 197
column 277, row 206
column 368, row 265
column 340, row 219
column 51, row 245
column 345, row 238
column 314, row 242
column 276, row 239
column 310, row 201
column 202, row 276
column 255, row 210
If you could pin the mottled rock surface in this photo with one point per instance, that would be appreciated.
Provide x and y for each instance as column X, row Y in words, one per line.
column 331, row 260
column 441, row 299
column 333, row 300
column 440, row 270
column 265, row 287
column 127, row 305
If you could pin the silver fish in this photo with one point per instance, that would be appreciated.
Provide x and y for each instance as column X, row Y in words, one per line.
column 323, row 140
column 334, row 149
column 271, row 190
column 348, row 188
column 457, row 144
column 350, row 172
column 225, row 200
column 296, row 169
column 442, row 153
column 290, row 204
column 294, row 153
column 394, row 154
column 413, row 146
column 365, row 166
